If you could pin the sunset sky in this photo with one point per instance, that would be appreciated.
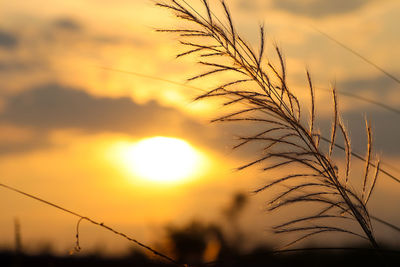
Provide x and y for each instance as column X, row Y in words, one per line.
column 82, row 81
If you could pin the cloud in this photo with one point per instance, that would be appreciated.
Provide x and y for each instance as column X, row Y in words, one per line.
column 49, row 107
column 385, row 131
column 381, row 84
column 6, row 66
column 385, row 128
column 54, row 106
column 319, row 8
column 41, row 46
column 67, row 24
column 29, row 145
column 20, row 66
column 8, row 40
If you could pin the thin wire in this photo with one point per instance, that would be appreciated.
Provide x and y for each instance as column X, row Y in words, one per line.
column 155, row 252
column 361, row 158
column 347, row 94
column 391, row 76
column 386, row 223
column 81, row 217
column 366, row 99
column 151, row 77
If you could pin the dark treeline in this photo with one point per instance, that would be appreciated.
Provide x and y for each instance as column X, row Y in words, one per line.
column 258, row 257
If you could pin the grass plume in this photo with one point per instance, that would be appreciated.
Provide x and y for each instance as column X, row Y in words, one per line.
column 286, row 139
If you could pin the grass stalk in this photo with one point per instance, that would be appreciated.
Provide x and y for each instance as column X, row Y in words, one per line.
column 286, row 138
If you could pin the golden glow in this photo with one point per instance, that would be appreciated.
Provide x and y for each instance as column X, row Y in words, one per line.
column 162, row 159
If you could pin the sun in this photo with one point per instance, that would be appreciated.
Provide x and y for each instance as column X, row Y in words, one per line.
column 163, row 159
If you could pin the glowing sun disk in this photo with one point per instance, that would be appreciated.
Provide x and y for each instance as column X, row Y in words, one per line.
column 163, row 159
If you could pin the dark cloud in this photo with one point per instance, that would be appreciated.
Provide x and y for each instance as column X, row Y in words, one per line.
column 248, row 5
column 67, row 24
column 319, row 8
column 13, row 66
column 384, row 118
column 386, row 131
column 58, row 107
column 20, row 66
column 381, row 84
column 39, row 141
column 53, row 106
column 385, row 128
column 381, row 87
column 8, row 40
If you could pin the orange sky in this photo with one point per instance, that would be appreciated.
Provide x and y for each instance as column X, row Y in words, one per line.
column 63, row 111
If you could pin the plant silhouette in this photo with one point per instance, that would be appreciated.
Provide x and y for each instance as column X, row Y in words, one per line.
column 261, row 98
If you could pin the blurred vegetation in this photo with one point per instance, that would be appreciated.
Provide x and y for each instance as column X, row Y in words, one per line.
column 194, row 250
column 208, row 244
